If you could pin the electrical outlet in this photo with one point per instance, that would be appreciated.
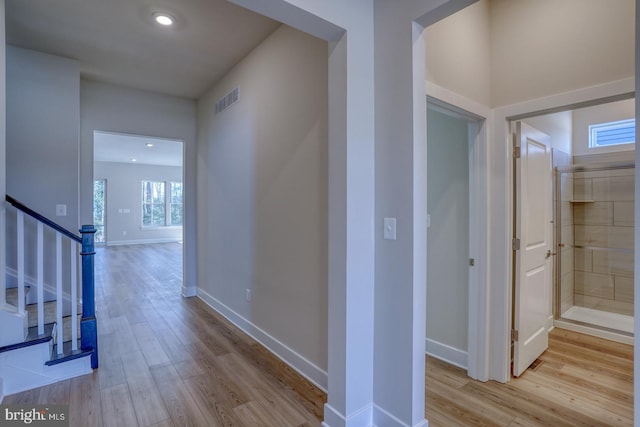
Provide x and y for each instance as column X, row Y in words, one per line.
column 247, row 295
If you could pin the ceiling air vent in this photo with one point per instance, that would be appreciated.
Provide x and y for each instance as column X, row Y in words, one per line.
column 228, row 100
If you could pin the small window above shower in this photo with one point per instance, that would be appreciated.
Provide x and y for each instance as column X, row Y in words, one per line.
column 612, row 133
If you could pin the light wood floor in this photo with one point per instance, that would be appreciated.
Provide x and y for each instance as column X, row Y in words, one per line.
column 174, row 362
column 579, row 381
column 171, row 361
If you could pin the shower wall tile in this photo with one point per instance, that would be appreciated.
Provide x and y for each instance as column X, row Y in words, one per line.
column 567, row 292
column 618, row 263
column 593, row 284
column 623, row 214
column 583, row 259
column 582, row 189
column 604, row 236
column 624, row 289
column 597, row 213
column 616, row 188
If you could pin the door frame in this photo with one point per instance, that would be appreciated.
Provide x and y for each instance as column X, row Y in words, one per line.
column 478, row 310
column 501, row 183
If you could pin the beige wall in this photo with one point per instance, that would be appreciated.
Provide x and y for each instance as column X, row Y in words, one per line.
column 458, row 53
column 501, row 52
column 263, row 199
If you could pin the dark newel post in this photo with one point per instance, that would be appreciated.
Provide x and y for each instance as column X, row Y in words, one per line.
column 88, row 325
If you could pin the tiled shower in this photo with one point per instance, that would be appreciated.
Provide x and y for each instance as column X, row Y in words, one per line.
column 594, row 242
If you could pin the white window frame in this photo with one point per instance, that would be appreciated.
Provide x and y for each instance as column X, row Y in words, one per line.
column 618, row 124
column 170, row 204
column 143, row 203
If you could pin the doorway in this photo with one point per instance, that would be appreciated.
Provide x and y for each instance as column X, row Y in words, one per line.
column 143, row 204
column 456, row 234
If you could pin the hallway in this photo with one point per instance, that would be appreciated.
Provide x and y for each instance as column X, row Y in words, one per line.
column 168, row 361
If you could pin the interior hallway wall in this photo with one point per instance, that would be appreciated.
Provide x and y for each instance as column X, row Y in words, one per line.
column 263, row 203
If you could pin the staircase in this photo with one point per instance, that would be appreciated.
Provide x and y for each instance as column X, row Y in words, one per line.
column 48, row 331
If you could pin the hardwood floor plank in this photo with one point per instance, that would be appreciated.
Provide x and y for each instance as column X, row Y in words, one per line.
column 152, row 351
column 85, row 401
column 147, row 401
column 117, row 408
column 55, row 394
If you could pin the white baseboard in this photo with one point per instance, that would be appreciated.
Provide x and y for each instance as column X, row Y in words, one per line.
column 143, row 241
column 361, row 418
column 189, row 291
column 384, row 418
column 306, row 368
column 447, row 353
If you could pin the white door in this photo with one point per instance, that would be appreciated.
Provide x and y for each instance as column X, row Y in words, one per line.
column 533, row 178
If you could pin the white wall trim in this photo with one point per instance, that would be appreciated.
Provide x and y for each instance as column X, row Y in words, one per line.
column 383, row 418
column 446, row 353
column 502, row 202
column 298, row 362
column 361, row 418
column 143, row 241
column 455, row 99
column 1, row 390
column 189, row 291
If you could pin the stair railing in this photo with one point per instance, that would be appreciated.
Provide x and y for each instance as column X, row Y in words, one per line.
column 88, row 324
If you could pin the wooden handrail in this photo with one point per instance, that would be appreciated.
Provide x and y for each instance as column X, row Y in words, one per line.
column 43, row 219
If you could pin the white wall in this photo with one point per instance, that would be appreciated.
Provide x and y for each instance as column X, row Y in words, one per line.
column 111, row 108
column 43, row 113
column 262, row 205
column 458, row 53
column 559, row 127
column 545, row 47
column 603, row 113
column 124, row 201
column 447, row 236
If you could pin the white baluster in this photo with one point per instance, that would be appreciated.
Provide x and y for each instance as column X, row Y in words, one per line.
column 20, row 226
column 40, row 278
column 74, row 296
column 59, row 290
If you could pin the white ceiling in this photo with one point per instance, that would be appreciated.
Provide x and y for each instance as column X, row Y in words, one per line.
column 115, row 147
column 117, row 42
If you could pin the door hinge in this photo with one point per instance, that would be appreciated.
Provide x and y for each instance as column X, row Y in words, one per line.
column 514, row 335
column 516, row 152
column 472, row 262
column 515, row 244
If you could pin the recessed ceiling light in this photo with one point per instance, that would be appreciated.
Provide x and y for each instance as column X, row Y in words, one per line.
column 148, row 144
column 164, row 19
column 133, row 160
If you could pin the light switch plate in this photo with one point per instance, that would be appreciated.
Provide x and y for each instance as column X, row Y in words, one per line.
column 61, row 210
column 390, row 228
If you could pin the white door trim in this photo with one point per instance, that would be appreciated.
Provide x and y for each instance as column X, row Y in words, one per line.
column 478, row 326
column 501, row 218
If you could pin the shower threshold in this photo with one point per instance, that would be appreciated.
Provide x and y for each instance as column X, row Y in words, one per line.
column 614, row 326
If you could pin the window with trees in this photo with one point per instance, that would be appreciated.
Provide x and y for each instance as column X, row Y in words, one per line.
column 157, row 202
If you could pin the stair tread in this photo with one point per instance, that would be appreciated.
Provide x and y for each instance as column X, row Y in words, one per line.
column 32, row 338
column 67, row 353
